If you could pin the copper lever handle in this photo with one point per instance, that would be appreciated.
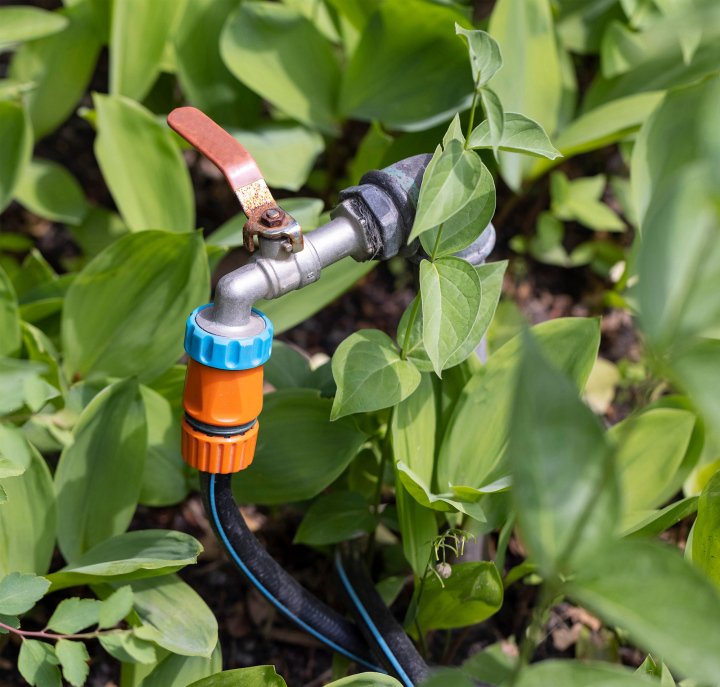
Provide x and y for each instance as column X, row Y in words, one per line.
column 265, row 218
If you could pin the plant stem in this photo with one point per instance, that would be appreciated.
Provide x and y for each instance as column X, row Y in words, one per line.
column 385, row 455
column 411, row 322
column 472, row 112
column 53, row 636
column 437, row 242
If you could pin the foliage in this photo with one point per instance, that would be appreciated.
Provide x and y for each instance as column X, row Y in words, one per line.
column 89, row 377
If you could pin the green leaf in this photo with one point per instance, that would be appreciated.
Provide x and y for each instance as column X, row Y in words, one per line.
column 143, row 553
column 257, row 676
column 297, row 422
column 173, row 609
column 566, row 508
column 369, row 374
column 16, row 141
column 179, row 671
column 27, row 523
column 491, row 664
column 140, row 30
column 205, row 80
column 10, row 332
column 365, row 680
column 371, row 152
column 10, row 621
column 287, row 368
column 650, row 450
column 299, row 75
column 485, row 56
column 705, row 541
column 406, row 43
column 125, row 312
column 73, row 615
column 143, row 167
column 413, row 444
column 441, row 677
column 165, row 476
column 472, row 593
column 115, row 607
column 622, row 586
column 449, row 183
column 128, row 648
column 37, row 663
column 52, row 192
column 451, row 302
column 519, row 135
column 73, row 658
column 9, row 468
column 299, row 305
column 335, row 517
column 476, row 434
column 656, row 522
column 97, row 498
column 454, row 132
column 19, row 24
column 60, row 67
column 19, row 593
column 531, row 80
column 495, row 116
column 579, row 200
column 557, row 673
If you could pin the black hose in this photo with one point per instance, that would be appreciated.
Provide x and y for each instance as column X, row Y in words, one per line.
column 278, row 587
column 381, row 631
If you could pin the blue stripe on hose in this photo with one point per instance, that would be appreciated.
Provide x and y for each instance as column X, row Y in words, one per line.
column 369, row 623
column 271, row 598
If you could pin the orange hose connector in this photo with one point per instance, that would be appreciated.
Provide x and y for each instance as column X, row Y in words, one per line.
column 217, row 454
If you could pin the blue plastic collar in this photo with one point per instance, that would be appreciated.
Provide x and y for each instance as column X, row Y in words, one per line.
column 227, row 354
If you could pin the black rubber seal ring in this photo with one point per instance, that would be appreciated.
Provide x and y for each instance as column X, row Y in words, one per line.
column 217, row 430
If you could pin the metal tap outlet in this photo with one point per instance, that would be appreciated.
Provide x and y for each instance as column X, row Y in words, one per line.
column 372, row 222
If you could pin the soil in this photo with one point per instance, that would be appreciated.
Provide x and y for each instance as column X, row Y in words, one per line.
column 251, row 633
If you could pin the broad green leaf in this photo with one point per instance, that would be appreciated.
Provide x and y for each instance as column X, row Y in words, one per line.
column 477, row 431
column 98, row 230
column 10, row 332
column 98, row 476
column 165, row 476
column 299, row 305
column 706, row 540
column 451, row 302
column 656, row 522
column 580, row 25
column 287, row 368
column 143, row 167
column 413, row 443
column 442, row 677
column 579, row 200
column 334, row 518
column 370, row 152
column 466, row 225
column 142, row 553
column 566, row 507
column 491, row 277
column 495, row 116
column 556, row 673
column 472, row 593
column 409, row 71
column 491, row 664
column 73, row 657
column 454, row 132
column 38, row 663
column 16, row 142
column 39, row 348
column 257, row 676
column 179, row 671
column 19, row 593
column 128, row 648
column 23, row 385
column 485, row 56
column 370, row 374
column 365, row 680
column 449, row 183
column 60, row 66
column 296, row 422
column 115, row 607
column 519, row 135
column 27, row 520
column 278, row 53
column 173, row 609
column 650, row 450
column 20, row 24
column 140, row 30
column 52, row 192
column 622, row 586
column 206, row 81
column 531, row 80
column 73, row 615
column 125, row 312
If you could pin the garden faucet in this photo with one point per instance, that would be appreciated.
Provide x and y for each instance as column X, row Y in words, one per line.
column 228, row 341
